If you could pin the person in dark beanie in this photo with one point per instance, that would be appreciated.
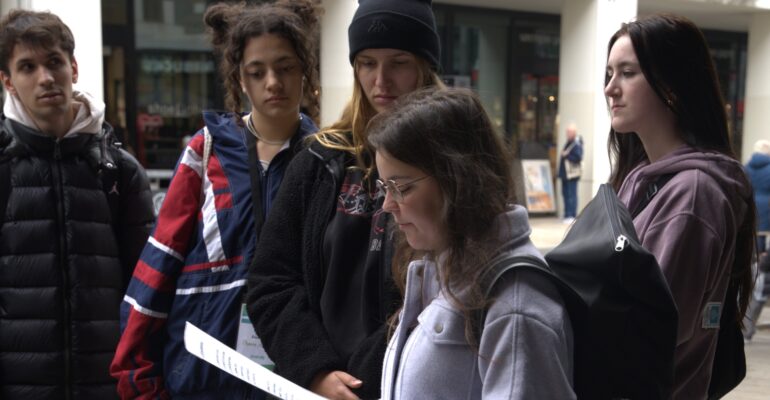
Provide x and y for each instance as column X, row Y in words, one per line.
column 320, row 286
column 400, row 24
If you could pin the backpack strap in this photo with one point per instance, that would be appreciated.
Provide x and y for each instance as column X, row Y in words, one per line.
column 5, row 187
column 6, row 141
column 207, row 144
column 652, row 190
column 500, row 266
column 109, row 170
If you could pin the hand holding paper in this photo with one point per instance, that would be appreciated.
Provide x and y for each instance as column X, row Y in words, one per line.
column 218, row 354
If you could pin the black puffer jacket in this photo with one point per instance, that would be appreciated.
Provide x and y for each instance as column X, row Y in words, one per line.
column 64, row 261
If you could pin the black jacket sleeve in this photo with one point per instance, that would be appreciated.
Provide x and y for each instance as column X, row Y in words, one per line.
column 285, row 280
column 135, row 215
column 366, row 363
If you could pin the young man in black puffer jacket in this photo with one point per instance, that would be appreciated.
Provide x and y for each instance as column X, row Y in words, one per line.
column 75, row 212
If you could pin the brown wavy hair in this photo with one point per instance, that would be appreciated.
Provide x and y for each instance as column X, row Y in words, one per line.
column 447, row 134
column 231, row 25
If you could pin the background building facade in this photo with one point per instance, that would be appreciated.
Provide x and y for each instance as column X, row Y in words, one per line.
column 537, row 65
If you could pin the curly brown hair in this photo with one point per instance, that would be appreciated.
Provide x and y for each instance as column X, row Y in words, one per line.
column 231, row 25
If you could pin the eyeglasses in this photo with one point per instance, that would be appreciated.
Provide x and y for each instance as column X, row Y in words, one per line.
column 396, row 190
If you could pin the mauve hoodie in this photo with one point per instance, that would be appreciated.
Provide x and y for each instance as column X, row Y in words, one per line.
column 691, row 226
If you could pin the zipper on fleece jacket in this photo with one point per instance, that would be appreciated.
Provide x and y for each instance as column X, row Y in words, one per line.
column 58, row 183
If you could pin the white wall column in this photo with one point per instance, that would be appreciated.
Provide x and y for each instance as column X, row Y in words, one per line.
column 756, row 118
column 6, row 5
column 586, row 27
column 84, row 18
column 336, row 72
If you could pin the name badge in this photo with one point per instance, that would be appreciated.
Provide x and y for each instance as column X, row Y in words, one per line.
column 249, row 344
column 712, row 314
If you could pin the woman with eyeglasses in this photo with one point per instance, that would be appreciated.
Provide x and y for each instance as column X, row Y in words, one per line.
column 450, row 191
column 320, row 287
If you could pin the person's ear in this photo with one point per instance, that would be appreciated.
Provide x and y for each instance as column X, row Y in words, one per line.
column 74, row 63
column 7, row 85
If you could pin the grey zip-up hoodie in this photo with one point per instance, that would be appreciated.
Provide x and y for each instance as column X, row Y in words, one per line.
column 691, row 226
column 526, row 348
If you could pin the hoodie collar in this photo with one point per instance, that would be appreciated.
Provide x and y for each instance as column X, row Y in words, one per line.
column 726, row 171
column 88, row 119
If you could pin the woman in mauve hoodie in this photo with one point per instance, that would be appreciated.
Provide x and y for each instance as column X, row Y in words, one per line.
column 669, row 122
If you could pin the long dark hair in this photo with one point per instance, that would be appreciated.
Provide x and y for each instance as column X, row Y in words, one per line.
column 675, row 60
column 231, row 25
column 447, row 134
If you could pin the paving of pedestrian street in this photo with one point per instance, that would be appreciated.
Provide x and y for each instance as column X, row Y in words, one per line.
column 547, row 232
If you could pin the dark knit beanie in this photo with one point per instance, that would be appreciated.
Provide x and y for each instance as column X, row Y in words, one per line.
column 395, row 24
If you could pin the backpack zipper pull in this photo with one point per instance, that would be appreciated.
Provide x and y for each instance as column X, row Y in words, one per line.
column 620, row 243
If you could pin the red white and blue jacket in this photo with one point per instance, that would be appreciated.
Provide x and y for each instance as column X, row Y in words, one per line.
column 194, row 265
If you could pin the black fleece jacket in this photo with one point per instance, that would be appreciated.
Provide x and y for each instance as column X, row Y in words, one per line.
column 287, row 275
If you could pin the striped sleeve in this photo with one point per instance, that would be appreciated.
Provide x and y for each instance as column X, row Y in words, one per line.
column 144, row 312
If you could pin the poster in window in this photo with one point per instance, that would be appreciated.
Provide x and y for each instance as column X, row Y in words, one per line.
column 538, row 186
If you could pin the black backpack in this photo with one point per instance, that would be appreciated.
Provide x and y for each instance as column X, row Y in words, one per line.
column 623, row 315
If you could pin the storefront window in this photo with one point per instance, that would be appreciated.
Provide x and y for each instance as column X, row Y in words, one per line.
column 114, row 12
column 535, row 80
column 176, row 78
column 172, row 89
column 511, row 60
column 729, row 52
column 160, row 73
column 479, row 60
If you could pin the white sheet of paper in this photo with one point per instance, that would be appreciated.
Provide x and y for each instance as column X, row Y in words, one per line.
column 209, row 349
